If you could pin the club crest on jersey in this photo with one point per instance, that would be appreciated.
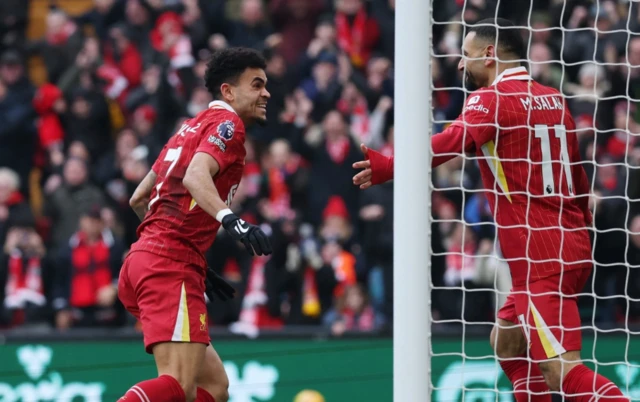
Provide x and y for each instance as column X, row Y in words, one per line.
column 226, row 130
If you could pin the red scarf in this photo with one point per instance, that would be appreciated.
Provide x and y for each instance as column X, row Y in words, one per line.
column 365, row 321
column 129, row 63
column 23, row 285
column 254, row 312
column 91, row 271
column 60, row 37
column 359, row 117
column 338, row 149
column 351, row 38
column 279, row 194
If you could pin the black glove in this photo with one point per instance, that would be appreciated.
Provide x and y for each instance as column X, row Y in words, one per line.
column 215, row 286
column 251, row 236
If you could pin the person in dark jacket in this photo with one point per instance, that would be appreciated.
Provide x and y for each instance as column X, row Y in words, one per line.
column 17, row 131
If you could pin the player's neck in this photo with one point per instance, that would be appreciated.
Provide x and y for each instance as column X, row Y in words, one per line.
column 500, row 68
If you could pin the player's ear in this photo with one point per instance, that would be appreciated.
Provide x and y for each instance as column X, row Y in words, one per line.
column 226, row 90
column 489, row 54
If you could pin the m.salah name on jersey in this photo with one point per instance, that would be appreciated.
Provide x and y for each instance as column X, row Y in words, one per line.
column 225, row 131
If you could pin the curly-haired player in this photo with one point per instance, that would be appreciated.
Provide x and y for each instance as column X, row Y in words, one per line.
column 182, row 202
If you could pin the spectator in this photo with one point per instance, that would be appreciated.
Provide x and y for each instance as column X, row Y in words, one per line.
column 295, row 20
column 358, row 32
column 169, row 38
column 144, row 125
column 62, row 41
column 67, row 198
column 13, row 24
column 331, row 158
column 89, row 121
column 86, row 274
column 252, row 30
column 12, row 202
column 87, row 61
column 323, row 87
column 17, row 132
column 139, row 23
column 542, row 69
column 103, row 15
column 122, row 53
column 376, row 216
column 49, row 103
column 353, row 312
column 23, row 273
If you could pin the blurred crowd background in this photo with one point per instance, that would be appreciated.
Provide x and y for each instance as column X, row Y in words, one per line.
column 90, row 90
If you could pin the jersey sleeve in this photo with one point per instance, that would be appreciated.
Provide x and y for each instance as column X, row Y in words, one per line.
column 479, row 117
column 221, row 140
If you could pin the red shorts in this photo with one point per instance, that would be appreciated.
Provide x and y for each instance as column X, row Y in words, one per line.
column 550, row 321
column 167, row 297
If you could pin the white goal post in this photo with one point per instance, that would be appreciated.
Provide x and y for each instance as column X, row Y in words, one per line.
column 593, row 57
column 411, row 325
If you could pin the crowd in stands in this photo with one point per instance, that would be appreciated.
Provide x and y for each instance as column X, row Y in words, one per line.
column 124, row 75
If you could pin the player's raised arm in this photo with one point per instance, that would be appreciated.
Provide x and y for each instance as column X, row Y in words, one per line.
column 197, row 180
column 454, row 141
column 139, row 201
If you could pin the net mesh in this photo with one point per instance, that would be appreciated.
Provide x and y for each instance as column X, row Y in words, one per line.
column 590, row 52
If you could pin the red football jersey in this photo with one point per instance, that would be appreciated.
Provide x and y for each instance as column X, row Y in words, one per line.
column 175, row 227
column 525, row 141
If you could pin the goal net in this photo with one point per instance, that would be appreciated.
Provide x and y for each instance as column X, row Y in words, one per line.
column 590, row 51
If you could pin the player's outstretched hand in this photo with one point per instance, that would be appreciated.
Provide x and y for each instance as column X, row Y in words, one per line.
column 363, row 179
column 253, row 238
column 217, row 287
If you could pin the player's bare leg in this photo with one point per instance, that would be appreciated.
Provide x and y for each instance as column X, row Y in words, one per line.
column 510, row 346
column 181, row 361
column 577, row 381
column 212, row 378
column 178, row 365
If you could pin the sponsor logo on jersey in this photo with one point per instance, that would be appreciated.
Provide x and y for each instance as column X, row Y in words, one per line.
column 473, row 100
column 217, row 141
column 477, row 108
column 226, row 130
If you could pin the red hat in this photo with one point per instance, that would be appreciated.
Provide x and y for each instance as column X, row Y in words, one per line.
column 335, row 207
column 173, row 21
column 146, row 112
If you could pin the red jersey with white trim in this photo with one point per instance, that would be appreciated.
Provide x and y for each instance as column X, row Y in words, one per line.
column 175, row 227
column 524, row 137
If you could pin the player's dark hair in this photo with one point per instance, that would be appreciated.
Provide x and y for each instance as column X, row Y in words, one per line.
column 508, row 36
column 227, row 65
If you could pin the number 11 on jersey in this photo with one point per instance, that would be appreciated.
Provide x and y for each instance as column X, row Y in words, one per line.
column 542, row 132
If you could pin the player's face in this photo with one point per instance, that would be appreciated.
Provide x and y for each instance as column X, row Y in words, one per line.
column 251, row 96
column 472, row 63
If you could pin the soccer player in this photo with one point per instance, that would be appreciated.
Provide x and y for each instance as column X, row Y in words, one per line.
column 182, row 202
column 524, row 137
